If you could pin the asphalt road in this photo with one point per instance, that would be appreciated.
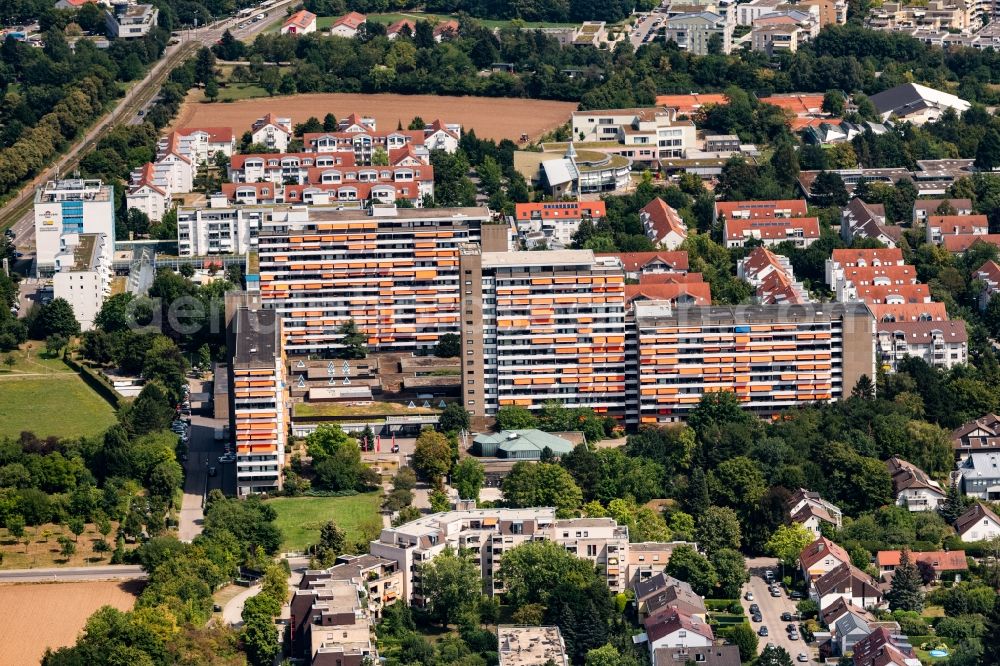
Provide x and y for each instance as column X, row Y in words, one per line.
column 771, row 609
column 203, row 453
column 74, row 574
column 642, row 28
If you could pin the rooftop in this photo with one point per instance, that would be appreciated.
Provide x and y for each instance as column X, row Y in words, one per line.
column 530, row 646
column 256, row 338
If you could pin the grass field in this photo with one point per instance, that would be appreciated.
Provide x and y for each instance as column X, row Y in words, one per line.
column 57, row 403
column 31, row 359
column 43, row 549
column 52, row 614
column 300, row 518
column 307, row 409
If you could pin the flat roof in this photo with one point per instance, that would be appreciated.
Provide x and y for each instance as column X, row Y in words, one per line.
column 530, row 646
column 256, row 338
column 653, row 313
column 85, row 253
column 539, row 258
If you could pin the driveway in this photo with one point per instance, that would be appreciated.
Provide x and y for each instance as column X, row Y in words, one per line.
column 771, row 609
column 203, row 453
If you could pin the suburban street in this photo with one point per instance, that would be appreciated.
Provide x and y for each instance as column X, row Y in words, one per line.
column 138, row 97
column 771, row 609
column 74, row 574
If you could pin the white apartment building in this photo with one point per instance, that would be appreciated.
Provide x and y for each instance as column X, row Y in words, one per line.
column 489, row 533
column 644, row 135
column 64, row 207
column 177, row 156
column 83, row 275
column 207, row 141
column 217, row 229
column 272, row 132
column 131, row 21
column 149, row 190
column 694, row 32
column 943, row 344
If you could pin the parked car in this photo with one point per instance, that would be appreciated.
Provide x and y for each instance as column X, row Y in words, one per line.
column 786, row 617
column 754, row 609
column 793, row 636
column 790, row 627
column 228, row 458
column 803, row 657
column 748, row 596
column 756, row 617
column 795, row 594
column 762, row 631
column 775, row 592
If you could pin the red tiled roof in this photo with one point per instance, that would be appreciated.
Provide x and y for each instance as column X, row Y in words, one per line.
column 911, row 293
column 772, row 228
column 399, row 25
column 670, row 277
column 146, row 179
column 352, row 20
column 957, row 224
column 693, row 102
column 991, row 270
column 759, row 259
column 443, row 27
column 864, row 275
column 301, row 19
column 634, row 262
column 761, row 209
column 909, row 311
column 700, row 292
column 938, row 560
column 663, row 218
column 797, row 103
column 962, row 242
column 820, row 548
column 560, row 210
column 854, row 257
column 879, row 648
column 668, row 622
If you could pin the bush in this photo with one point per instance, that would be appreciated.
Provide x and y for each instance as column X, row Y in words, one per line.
column 910, row 623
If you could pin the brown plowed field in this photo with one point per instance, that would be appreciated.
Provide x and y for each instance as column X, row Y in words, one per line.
column 37, row 616
column 491, row 117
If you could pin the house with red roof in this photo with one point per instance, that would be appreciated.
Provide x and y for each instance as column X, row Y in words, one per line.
column 675, row 628
column 848, row 582
column 938, row 561
column 883, row 648
column 751, row 210
column 149, row 191
column 902, row 312
column 663, row 224
column 772, row 276
column 678, row 293
column 940, row 226
column 439, row 135
column 555, row 222
column 301, row 22
column 348, row 25
column 989, row 275
column 938, row 342
column 959, row 243
column 396, row 29
column 638, row 264
column 799, row 231
column 206, row 142
column 272, row 132
column 821, row 556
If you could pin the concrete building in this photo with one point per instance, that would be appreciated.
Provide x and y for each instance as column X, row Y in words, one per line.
column 800, row 231
column 330, row 625
column 784, row 31
column 772, row 356
column 130, row 21
column 66, row 207
column 531, row 646
column 83, row 274
column 520, row 444
column 149, row 191
column 572, row 172
column 943, row 344
column 980, row 474
column 206, row 142
column 258, row 397
column 272, row 132
column 176, row 156
column 916, row 103
column 644, row 135
column 488, row 533
column 556, row 221
column 217, row 229
column 394, row 272
column 543, row 326
column 695, row 32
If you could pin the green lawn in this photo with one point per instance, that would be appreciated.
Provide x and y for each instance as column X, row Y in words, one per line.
column 300, row 518
column 389, row 18
column 59, row 405
column 31, row 359
column 308, row 409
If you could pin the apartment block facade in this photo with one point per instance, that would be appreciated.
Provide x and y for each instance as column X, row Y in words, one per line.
column 489, row 533
column 538, row 326
column 83, row 275
column 217, row 229
column 258, row 399
column 772, row 356
column 394, row 272
column 66, row 207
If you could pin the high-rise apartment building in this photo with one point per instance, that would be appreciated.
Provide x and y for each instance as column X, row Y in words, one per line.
column 64, row 207
column 258, row 398
column 539, row 326
column 772, row 356
column 83, row 275
column 394, row 272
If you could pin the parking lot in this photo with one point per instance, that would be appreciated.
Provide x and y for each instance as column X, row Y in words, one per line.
column 771, row 610
column 203, row 471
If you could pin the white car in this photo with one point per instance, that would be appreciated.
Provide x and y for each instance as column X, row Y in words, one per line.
column 748, row 596
column 803, row 657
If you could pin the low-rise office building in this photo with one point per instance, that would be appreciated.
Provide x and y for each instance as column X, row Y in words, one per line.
column 644, row 135
column 697, row 32
column 131, row 21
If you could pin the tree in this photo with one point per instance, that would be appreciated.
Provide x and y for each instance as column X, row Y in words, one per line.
column 432, row 456
column 452, row 586
column 718, row 528
column 448, row 345
column 211, row 90
column 773, row 655
column 439, row 501
column 352, row 341
column 454, row 418
column 54, row 344
column 829, row 190
column 988, row 151
column 66, row 547
column 260, row 637
column 55, row 318
column 542, row 484
column 468, row 477
column 15, row 527
column 511, row 417
column 833, row 103
column 787, row 543
column 204, row 357
column 690, row 566
column 731, row 569
column 608, row 655
column 696, row 499
column 745, row 638
column 76, row 526
column 864, row 388
column 738, row 483
column 991, row 639
column 953, row 506
column 332, row 541
column 905, row 593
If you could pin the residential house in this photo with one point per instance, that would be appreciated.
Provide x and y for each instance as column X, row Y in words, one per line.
column 439, row 135
column 348, row 25
column 849, row 582
column 820, row 557
column 301, row 22
column 847, row 624
column 808, row 509
column 149, row 191
column 531, row 646
column 902, row 312
column 980, row 474
column 983, row 434
column 640, row 264
column 696, row 32
column 940, row 226
column 800, row 231
column 663, row 224
column 330, row 625
column 271, row 132
column 556, row 221
column 664, row 288
column 864, row 220
column 959, row 243
column 978, row 523
column 715, row 655
column 916, row 103
column 176, row 154
column 772, row 276
column 207, row 142
column 749, row 12
column 989, row 275
column 938, row 562
column 763, row 210
column 644, row 135
column 784, row 31
column 924, row 208
column 380, row 579
column 646, row 559
column 661, row 593
column 883, row 648
column 912, row 487
column 677, row 629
